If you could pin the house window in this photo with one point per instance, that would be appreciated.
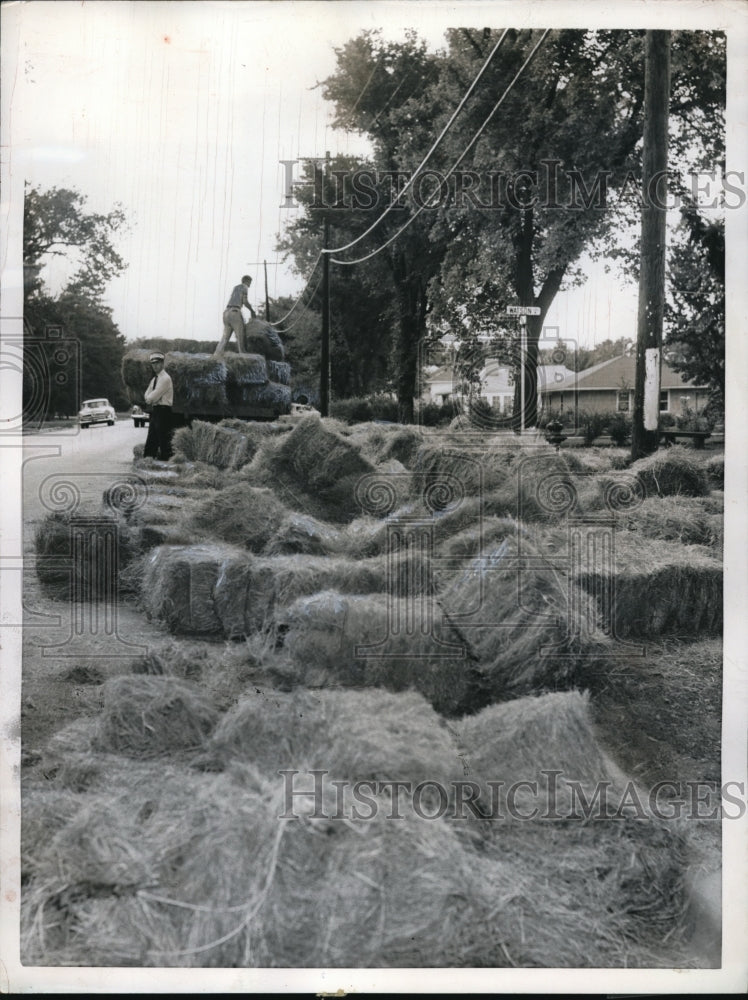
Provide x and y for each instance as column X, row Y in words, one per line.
column 664, row 407
column 623, row 401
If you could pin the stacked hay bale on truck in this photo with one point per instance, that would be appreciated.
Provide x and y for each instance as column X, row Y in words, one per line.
column 254, row 386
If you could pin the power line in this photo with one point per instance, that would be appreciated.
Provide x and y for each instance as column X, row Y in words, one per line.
column 303, row 290
column 360, row 260
column 443, row 132
column 306, row 305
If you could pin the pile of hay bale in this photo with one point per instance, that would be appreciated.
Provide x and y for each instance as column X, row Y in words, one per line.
column 255, row 384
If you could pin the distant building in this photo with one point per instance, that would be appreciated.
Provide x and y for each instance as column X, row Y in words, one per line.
column 496, row 384
column 609, row 387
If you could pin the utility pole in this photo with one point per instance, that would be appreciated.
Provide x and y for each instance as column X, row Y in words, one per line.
column 324, row 386
column 645, row 429
column 267, row 300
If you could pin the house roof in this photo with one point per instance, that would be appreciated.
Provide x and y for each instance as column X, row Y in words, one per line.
column 618, row 373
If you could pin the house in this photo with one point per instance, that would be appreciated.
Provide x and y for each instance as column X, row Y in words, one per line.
column 608, row 387
column 496, row 384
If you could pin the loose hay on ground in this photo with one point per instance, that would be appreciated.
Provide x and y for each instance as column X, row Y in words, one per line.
column 172, row 868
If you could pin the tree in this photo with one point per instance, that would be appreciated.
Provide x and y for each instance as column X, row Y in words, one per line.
column 363, row 311
column 57, row 225
column 563, row 146
column 375, row 89
column 695, row 312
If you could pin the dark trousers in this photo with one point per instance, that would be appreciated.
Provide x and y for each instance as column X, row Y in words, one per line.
column 160, row 428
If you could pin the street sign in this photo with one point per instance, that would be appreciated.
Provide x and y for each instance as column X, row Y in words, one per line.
column 523, row 310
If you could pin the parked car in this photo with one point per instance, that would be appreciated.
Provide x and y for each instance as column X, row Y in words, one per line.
column 96, row 411
column 140, row 417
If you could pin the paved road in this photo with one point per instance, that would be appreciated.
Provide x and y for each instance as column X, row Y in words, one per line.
column 58, row 462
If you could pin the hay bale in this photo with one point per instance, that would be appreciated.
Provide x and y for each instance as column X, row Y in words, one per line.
column 312, row 469
column 304, row 535
column 657, row 587
column 243, row 370
column 79, row 556
column 715, row 471
column 146, row 716
column 522, row 620
column 178, row 585
column 199, row 381
column 680, row 519
column 476, row 471
column 136, row 374
column 222, row 671
column 239, row 514
column 250, row 592
column 327, row 632
column 476, row 537
column 214, row 444
column 524, row 740
column 354, row 735
column 261, row 338
column 262, row 401
column 671, row 472
column 279, row 371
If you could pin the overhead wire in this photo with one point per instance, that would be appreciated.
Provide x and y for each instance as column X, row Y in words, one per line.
column 434, row 146
column 360, row 260
column 303, row 290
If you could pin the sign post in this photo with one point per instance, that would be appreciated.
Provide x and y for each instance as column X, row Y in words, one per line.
column 523, row 312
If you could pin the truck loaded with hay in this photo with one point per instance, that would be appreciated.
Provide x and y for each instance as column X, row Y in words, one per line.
column 251, row 386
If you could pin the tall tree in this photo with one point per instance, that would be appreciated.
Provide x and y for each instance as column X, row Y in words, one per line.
column 56, row 224
column 557, row 167
column 695, row 312
column 376, row 90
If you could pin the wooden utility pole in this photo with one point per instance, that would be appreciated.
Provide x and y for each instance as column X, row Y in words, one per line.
column 267, row 300
column 324, row 382
column 645, row 430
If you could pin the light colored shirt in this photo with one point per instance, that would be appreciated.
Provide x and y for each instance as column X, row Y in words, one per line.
column 160, row 391
column 238, row 297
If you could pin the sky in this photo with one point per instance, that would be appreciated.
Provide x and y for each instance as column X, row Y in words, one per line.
column 181, row 112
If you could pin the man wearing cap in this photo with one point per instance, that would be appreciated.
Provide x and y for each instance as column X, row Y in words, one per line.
column 160, row 397
column 233, row 321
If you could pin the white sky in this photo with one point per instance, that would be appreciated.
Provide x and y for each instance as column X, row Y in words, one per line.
column 182, row 111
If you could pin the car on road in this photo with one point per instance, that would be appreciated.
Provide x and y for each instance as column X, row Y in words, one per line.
column 140, row 417
column 96, row 411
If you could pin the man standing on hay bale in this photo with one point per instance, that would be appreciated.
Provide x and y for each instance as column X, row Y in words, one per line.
column 160, row 397
column 233, row 321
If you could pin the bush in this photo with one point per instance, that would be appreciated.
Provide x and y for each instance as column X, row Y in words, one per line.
column 435, row 415
column 591, row 424
column 690, row 420
column 362, row 409
column 619, row 428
